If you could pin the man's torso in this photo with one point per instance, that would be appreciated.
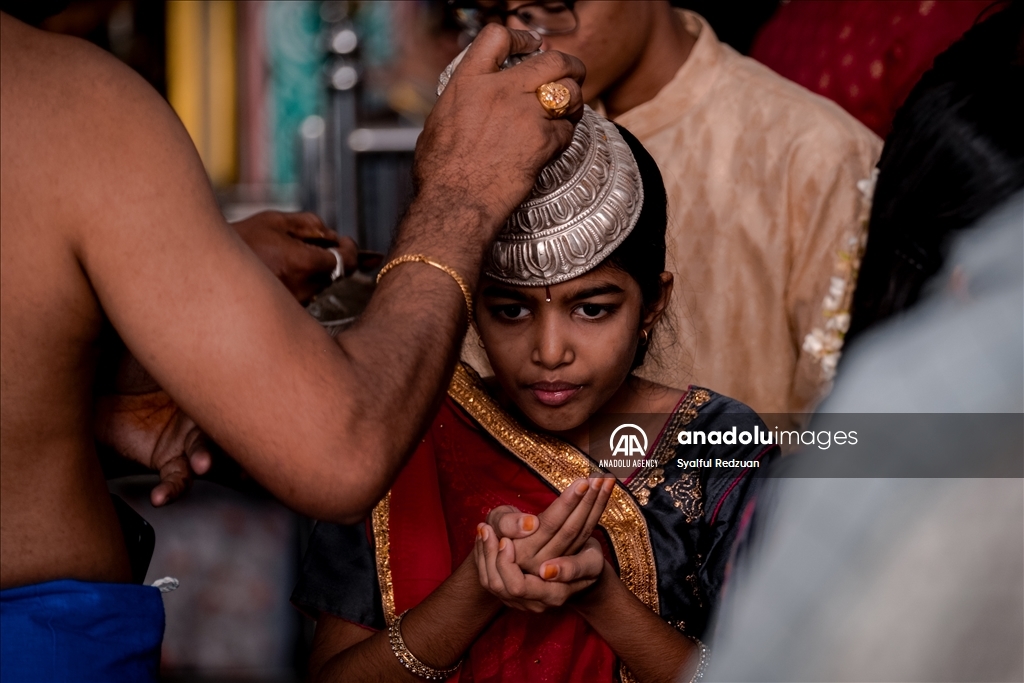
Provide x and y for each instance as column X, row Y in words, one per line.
column 57, row 518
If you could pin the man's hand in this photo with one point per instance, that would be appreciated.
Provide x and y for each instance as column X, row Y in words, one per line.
column 151, row 430
column 488, row 136
column 296, row 248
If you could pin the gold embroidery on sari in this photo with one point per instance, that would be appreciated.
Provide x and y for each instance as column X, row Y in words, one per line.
column 560, row 464
column 695, row 587
column 382, row 542
column 685, row 496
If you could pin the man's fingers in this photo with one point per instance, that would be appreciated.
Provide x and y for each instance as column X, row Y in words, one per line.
column 175, row 477
column 318, row 260
column 575, row 109
column 307, row 270
column 521, row 42
column 552, row 66
column 307, row 225
column 200, row 462
column 509, row 522
column 197, row 449
column 584, row 565
column 349, row 251
column 492, row 47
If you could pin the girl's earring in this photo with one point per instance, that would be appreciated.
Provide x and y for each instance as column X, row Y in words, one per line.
column 646, row 337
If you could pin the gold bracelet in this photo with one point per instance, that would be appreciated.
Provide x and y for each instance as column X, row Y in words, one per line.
column 422, row 258
column 409, row 660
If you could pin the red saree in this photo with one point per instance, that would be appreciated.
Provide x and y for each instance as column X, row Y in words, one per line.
column 427, row 526
column 669, row 531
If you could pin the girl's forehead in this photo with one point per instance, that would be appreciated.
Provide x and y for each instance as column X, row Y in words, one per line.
column 604, row 277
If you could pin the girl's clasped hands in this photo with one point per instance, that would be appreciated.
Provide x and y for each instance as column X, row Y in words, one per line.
column 537, row 562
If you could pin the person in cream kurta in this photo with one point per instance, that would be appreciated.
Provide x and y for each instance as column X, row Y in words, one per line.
column 768, row 189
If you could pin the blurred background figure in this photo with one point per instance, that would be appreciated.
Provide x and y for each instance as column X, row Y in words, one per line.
column 910, row 576
column 956, row 150
column 914, row 576
column 865, row 56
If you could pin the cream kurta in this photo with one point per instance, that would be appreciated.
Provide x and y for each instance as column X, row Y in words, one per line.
column 765, row 218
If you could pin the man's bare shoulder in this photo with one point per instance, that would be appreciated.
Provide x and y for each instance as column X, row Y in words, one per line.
column 65, row 93
column 35, row 61
column 71, row 111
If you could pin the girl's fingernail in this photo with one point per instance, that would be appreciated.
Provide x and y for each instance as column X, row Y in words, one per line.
column 480, row 531
column 582, row 487
column 502, row 543
column 550, row 572
column 535, row 34
column 529, row 523
column 485, row 534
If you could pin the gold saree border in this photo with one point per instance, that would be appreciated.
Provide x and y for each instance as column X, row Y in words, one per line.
column 560, row 464
column 382, row 551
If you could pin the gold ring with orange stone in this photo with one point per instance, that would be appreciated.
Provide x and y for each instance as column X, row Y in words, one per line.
column 555, row 98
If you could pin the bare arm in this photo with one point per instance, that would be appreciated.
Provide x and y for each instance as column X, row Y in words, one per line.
column 438, row 631
column 649, row 647
column 323, row 425
column 562, row 563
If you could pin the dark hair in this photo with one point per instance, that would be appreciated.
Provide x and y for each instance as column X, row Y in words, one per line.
column 642, row 253
column 956, row 150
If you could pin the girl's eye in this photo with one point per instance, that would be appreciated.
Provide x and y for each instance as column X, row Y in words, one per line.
column 511, row 312
column 593, row 311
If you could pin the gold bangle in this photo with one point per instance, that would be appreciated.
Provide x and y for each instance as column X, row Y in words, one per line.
column 409, row 660
column 422, row 258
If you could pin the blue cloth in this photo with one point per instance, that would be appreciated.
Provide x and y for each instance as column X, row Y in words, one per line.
column 77, row 631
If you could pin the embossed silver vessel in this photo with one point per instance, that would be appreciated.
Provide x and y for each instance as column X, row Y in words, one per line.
column 583, row 205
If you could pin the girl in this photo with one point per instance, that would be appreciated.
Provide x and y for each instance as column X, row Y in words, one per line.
column 486, row 561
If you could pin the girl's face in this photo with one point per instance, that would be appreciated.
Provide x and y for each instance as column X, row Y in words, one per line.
column 561, row 360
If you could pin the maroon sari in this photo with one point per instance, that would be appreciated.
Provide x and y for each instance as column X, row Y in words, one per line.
column 667, row 531
column 454, row 479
